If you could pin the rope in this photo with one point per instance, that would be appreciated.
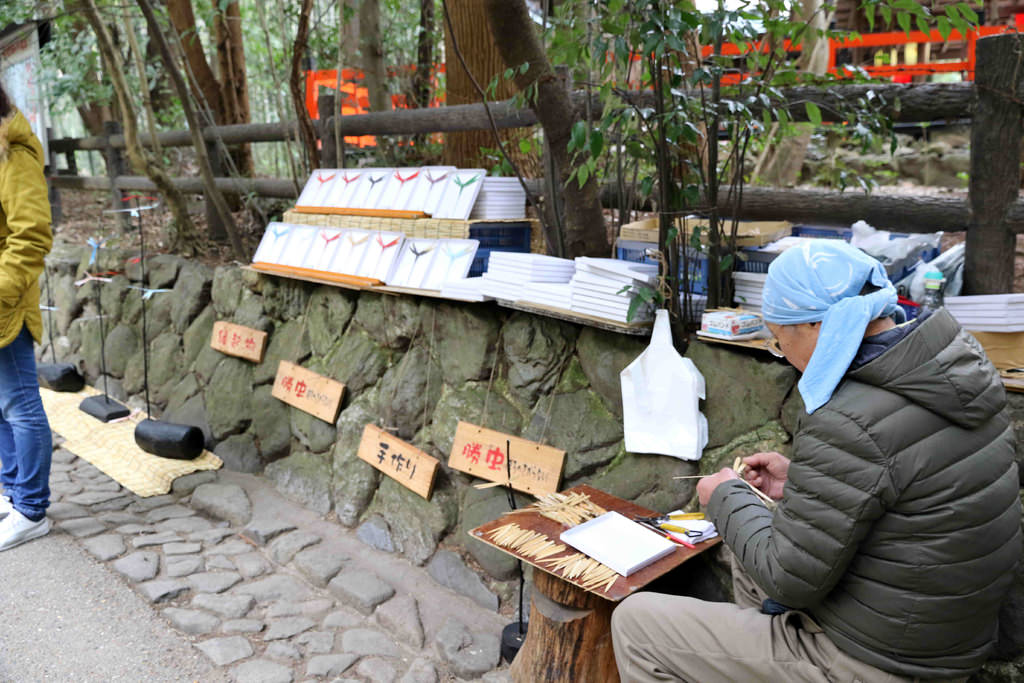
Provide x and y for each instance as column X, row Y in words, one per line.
column 430, row 359
column 145, row 283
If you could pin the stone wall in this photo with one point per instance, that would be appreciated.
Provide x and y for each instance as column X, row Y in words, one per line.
column 415, row 366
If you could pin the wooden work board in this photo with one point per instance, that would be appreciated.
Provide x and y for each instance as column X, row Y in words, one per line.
column 623, row 586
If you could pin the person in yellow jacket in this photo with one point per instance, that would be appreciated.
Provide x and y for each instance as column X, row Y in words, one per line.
column 25, row 239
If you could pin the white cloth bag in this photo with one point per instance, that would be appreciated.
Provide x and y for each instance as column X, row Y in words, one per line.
column 661, row 391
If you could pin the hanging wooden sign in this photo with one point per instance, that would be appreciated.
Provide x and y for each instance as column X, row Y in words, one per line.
column 238, row 340
column 406, row 464
column 315, row 394
column 536, row 469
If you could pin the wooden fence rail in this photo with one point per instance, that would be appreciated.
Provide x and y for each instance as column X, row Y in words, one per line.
column 993, row 213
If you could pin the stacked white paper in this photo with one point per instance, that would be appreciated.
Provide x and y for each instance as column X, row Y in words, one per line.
column 605, row 288
column 466, row 289
column 551, row 294
column 748, row 290
column 500, row 199
column 988, row 312
column 508, row 273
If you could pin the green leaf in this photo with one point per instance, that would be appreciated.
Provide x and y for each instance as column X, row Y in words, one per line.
column 869, row 12
column 525, row 146
column 813, row 113
column 945, row 27
column 726, row 262
column 671, row 235
column 509, row 73
column 583, row 175
column 903, row 19
column 968, row 13
column 578, row 136
column 634, row 306
column 596, row 143
column 922, row 25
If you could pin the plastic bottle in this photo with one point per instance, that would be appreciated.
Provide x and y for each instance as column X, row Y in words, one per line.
column 934, row 282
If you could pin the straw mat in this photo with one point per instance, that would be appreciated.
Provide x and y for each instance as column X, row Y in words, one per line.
column 111, row 447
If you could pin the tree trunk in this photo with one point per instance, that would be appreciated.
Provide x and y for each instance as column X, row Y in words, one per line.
column 204, row 82
column 569, row 638
column 231, row 66
column 485, row 62
column 518, row 43
column 421, row 84
column 306, row 130
column 787, row 157
column 184, row 238
column 375, row 75
column 195, row 129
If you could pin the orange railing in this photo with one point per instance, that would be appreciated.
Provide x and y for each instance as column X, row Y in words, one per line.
column 900, row 73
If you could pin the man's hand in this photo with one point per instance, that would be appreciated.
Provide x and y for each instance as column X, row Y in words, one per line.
column 707, row 485
column 768, row 472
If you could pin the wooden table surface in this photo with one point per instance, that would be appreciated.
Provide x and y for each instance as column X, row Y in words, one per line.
column 623, row 586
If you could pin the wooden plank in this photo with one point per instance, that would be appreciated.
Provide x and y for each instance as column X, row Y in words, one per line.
column 756, row 344
column 313, row 276
column 640, row 329
column 478, row 451
column 623, row 586
column 403, row 462
column 1013, row 381
column 373, row 213
column 239, row 340
column 306, row 390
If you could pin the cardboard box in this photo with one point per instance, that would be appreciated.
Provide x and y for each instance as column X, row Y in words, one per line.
column 727, row 324
column 1004, row 349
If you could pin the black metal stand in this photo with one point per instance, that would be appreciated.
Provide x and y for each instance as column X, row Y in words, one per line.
column 103, row 408
column 164, row 439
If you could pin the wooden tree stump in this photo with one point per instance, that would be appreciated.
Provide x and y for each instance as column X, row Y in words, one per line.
column 569, row 638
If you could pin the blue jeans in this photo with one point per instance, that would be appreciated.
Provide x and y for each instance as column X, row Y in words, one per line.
column 26, row 444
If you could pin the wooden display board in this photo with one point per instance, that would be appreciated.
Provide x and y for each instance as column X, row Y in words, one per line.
column 403, row 462
column 306, row 390
column 536, row 469
column 238, row 340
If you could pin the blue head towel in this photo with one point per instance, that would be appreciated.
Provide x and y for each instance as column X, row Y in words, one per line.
column 821, row 281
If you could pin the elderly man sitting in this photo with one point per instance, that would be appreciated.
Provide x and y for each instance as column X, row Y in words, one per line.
column 898, row 524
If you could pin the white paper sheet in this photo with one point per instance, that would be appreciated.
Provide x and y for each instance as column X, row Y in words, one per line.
column 300, row 242
column 371, row 188
column 353, row 246
column 346, row 187
column 318, row 188
column 382, row 252
column 460, row 194
column 414, row 263
column 400, row 188
column 617, row 542
column 325, row 247
column 430, row 188
column 453, row 261
column 272, row 245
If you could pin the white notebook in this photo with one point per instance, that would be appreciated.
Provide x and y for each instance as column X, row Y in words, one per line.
column 619, row 543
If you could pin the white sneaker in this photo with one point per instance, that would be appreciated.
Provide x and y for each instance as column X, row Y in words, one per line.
column 5, row 506
column 16, row 528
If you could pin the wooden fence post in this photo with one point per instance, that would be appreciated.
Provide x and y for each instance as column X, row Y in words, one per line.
column 115, row 169
column 56, row 209
column 214, row 225
column 995, row 165
column 328, row 148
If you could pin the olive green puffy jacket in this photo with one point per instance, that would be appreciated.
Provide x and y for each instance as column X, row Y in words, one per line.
column 25, row 236
column 900, row 525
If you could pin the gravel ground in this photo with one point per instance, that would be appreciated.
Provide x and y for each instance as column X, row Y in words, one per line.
column 65, row 617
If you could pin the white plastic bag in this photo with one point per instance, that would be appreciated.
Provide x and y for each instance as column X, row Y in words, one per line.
column 661, row 391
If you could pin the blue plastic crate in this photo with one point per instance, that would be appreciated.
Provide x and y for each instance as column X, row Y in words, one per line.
column 503, row 236
column 697, row 269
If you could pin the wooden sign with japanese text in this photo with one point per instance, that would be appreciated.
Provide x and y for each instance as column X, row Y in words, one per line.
column 406, row 464
column 315, row 394
column 238, row 340
column 478, row 451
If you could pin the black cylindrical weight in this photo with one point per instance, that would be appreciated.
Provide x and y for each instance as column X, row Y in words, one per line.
column 63, row 377
column 170, row 440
